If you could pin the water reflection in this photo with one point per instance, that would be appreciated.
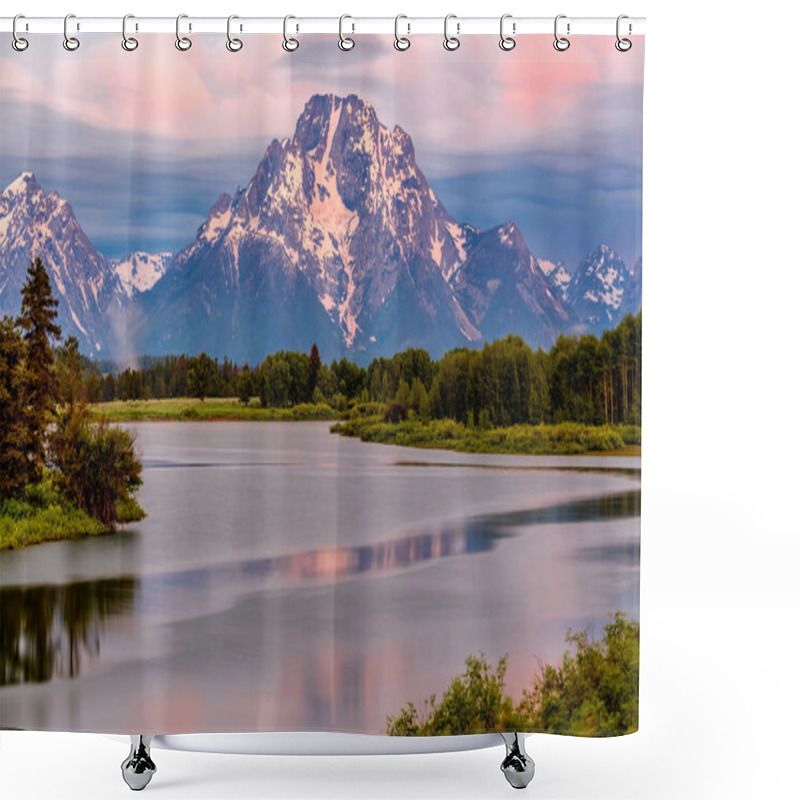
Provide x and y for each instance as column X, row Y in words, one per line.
column 49, row 631
column 461, row 537
column 621, row 505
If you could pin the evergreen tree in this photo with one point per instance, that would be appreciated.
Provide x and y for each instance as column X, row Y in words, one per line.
column 200, row 377
column 314, row 366
column 244, row 385
column 13, row 422
column 69, row 370
column 37, row 320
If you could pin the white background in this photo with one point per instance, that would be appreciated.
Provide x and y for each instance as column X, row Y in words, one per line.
column 720, row 604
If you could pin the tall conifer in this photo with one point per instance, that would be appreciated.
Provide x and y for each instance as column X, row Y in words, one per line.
column 37, row 320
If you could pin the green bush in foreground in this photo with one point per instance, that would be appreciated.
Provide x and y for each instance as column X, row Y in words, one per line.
column 594, row 692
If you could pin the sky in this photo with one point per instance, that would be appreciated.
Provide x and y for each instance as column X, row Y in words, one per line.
column 142, row 143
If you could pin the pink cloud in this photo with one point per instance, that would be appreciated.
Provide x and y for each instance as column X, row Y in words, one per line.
column 470, row 100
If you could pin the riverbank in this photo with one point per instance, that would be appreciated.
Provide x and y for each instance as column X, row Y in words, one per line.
column 187, row 409
column 368, row 424
column 45, row 516
column 23, row 525
column 566, row 438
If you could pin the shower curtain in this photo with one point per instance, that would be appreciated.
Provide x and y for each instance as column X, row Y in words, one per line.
column 321, row 384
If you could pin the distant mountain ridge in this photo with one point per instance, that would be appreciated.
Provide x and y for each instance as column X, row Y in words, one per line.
column 338, row 238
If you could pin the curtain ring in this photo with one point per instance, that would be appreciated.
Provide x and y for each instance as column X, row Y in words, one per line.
column 290, row 44
column 451, row 42
column 623, row 45
column 561, row 43
column 233, row 44
column 401, row 42
column 183, row 43
column 345, row 42
column 71, row 43
column 128, row 42
column 506, row 42
column 18, row 42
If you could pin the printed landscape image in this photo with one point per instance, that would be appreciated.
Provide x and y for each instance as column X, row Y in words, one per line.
column 356, row 449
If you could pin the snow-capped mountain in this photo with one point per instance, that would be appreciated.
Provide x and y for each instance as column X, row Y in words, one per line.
column 602, row 290
column 558, row 275
column 33, row 223
column 139, row 272
column 503, row 289
column 339, row 238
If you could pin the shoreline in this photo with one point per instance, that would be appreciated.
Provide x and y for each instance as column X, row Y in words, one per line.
column 559, row 439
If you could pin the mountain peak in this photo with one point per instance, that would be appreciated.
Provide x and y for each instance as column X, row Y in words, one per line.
column 322, row 110
column 510, row 235
column 602, row 250
column 25, row 183
column 338, row 238
column 34, row 223
column 600, row 289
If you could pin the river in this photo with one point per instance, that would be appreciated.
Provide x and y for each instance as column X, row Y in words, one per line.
column 290, row 579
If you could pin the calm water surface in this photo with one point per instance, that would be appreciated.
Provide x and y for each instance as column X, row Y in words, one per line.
column 288, row 579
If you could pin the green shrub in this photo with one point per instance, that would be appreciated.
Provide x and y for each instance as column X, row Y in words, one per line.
column 22, row 525
column 97, row 465
column 594, row 692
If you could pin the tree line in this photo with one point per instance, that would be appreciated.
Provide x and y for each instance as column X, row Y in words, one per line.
column 588, row 379
column 47, row 441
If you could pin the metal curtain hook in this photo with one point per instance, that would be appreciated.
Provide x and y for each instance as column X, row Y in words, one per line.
column 401, row 42
column 451, row 42
column 128, row 42
column 623, row 45
column 233, row 44
column 290, row 44
column 345, row 42
column 183, row 43
column 561, row 43
column 18, row 42
column 71, row 43
column 506, row 42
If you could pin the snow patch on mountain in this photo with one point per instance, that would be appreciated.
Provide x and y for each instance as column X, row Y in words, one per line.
column 139, row 272
column 557, row 274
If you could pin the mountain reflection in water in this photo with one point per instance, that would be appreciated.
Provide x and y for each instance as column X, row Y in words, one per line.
column 49, row 632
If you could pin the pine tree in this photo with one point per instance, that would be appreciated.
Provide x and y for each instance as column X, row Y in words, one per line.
column 69, row 371
column 37, row 320
column 13, row 421
column 314, row 366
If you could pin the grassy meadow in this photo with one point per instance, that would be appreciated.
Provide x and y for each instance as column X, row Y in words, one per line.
column 188, row 409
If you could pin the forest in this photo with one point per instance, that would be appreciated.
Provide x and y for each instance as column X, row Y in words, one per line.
column 62, row 474
column 583, row 379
